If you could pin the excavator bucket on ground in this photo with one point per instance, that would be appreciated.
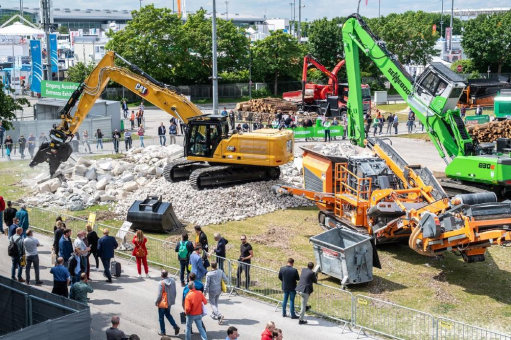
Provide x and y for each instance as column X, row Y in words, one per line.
column 153, row 215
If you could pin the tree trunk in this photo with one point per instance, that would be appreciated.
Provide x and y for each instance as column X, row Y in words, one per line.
column 499, row 68
column 276, row 86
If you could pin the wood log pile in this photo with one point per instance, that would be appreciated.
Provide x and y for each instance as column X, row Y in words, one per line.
column 266, row 105
column 489, row 132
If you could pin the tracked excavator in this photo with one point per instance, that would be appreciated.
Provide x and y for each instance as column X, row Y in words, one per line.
column 213, row 156
column 381, row 196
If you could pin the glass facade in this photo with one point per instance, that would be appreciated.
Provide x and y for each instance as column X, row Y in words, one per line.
column 77, row 25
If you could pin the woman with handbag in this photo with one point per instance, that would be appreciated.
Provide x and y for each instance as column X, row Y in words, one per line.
column 140, row 252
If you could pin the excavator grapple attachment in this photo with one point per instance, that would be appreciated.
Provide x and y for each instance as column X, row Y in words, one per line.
column 55, row 152
column 154, row 215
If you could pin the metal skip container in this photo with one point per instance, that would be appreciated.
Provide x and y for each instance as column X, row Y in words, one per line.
column 152, row 214
column 344, row 254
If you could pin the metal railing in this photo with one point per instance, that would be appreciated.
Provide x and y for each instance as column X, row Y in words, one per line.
column 392, row 320
column 363, row 312
column 450, row 329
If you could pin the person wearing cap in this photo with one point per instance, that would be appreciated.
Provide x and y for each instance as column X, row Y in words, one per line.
column 22, row 141
column 22, row 216
column 106, row 247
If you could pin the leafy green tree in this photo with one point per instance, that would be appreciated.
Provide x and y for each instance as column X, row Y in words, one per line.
column 467, row 66
column 409, row 36
column 79, row 72
column 153, row 42
column 63, row 30
column 277, row 56
column 325, row 41
column 487, row 41
column 232, row 47
column 456, row 23
column 8, row 106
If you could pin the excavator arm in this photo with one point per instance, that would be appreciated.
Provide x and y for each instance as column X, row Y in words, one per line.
column 309, row 60
column 163, row 96
column 432, row 97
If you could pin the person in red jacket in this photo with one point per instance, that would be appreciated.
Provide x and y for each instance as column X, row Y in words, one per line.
column 140, row 252
column 268, row 331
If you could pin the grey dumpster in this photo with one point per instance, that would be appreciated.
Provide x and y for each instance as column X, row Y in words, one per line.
column 344, row 254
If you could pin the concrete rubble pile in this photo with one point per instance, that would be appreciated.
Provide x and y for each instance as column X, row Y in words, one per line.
column 139, row 174
column 341, row 150
column 88, row 182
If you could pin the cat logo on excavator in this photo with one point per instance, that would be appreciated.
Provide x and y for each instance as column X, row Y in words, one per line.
column 141, row 89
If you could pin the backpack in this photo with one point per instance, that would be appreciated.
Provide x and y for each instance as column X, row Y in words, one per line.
column 13, row 250
column 183, row 250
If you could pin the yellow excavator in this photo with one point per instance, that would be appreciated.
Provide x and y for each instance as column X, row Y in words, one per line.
column 214, row 157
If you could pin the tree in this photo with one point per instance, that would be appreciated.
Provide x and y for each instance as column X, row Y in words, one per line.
column 63, row 30
column 232, row 47
column 487, row 41
column 9, row 106
column 456, row 23
column 409, row 36
column 277, row 56
column 467, row 66
column 153, row 42
column 79, row 72
column 325, row 41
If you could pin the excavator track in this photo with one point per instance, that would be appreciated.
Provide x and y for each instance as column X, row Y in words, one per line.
column 180, row 169
column 223, row 176
column 453, row 188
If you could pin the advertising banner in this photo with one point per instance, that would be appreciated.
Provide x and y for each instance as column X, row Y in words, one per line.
column 53, row 53
column 474, row 120
column 37, row 66
column 57, row 89
column 316, row 132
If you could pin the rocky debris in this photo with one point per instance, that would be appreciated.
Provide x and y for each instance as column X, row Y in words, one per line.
column 213, row 206
column 86, row 182
column 121, row 182
column 341, row 150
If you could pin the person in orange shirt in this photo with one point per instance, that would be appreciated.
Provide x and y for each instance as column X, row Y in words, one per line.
column 193, row 309
column 132, row 120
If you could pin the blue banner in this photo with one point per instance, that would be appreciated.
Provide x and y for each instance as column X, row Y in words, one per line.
column 53, row 53
column 37, row 66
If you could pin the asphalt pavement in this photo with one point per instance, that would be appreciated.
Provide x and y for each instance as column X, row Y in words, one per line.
column 133, row 300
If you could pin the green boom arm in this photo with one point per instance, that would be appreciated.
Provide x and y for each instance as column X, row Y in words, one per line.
column 444, row 127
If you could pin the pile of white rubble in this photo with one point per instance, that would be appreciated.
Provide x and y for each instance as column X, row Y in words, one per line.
column 139, row 174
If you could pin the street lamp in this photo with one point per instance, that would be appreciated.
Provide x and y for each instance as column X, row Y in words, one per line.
column 291, row 18
column 249, row 66
column 140, row 4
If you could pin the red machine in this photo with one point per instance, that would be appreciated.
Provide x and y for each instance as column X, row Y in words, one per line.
column 331, row 98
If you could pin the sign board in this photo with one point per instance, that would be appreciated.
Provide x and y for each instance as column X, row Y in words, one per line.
column 460, row 68
column 316, row 132
column 53, row 53
column 57, row 89
column 474, row 120
column 37, row 66
column 92, row 220
column 123, row 231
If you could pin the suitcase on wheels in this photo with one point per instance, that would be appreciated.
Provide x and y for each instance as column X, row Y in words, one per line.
column 115, row 268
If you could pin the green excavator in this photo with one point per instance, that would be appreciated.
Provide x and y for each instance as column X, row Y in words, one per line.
column 471, row 166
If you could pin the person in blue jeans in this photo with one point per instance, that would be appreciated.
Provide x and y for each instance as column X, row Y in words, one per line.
column 17, row 239
column 184, row 249
column 169, row 285
column 289, row 275
column 106, row 247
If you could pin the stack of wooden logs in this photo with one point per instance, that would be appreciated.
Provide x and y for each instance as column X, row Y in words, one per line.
column 489, row 132
column 266, row 105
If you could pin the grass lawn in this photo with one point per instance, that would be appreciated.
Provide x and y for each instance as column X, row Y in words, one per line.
column 476, row 293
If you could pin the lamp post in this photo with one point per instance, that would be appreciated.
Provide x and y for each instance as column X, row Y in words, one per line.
column 215, row 72
column 291, row 19
column 300, row 21
column 140, row 4
column 442, row 21
column 488, row 71
column 450, row 35
column 249, row 66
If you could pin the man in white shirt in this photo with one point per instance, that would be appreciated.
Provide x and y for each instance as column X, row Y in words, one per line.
column 31, row 244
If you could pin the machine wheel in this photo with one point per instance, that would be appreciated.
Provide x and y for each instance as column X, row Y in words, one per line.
column 321, row 220
column 472, row 258
column 273, row 173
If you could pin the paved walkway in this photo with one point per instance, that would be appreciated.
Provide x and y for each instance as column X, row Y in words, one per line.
column 133, row 300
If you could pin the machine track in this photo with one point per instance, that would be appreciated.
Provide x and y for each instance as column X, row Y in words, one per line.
column 453, row 188
column 180, row 169
column 222, row 176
